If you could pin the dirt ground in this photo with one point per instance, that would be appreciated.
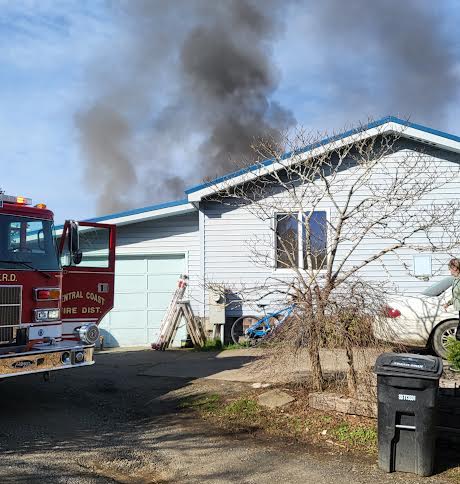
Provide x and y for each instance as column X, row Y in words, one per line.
column 119, row 421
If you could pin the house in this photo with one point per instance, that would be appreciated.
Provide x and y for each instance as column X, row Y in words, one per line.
column 210, row 241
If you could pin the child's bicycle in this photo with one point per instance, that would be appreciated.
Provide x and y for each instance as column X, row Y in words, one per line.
column 249, row 329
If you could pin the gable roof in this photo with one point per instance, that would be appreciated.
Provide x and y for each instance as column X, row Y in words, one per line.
column 195, row 193
column 385, row 125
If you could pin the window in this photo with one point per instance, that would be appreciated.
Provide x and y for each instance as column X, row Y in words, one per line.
column 27, row 243
column 14, row 236
column 317, row 237
column 287, row 240
column 289, row 233
column 94, row 246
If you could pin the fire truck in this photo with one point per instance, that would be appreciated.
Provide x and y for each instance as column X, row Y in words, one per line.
column 54, row 290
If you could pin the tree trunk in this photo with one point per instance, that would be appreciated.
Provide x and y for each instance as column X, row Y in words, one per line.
column 316, row 370
column 315, row 361
column 351, row 371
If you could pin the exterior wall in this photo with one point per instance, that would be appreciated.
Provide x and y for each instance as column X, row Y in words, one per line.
column 230, row 233
column 174, row 234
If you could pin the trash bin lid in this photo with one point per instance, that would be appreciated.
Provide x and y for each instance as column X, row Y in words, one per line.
column 404, row 364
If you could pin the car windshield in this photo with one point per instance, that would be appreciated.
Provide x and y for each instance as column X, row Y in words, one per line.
column 27, row 243
column 437, row 288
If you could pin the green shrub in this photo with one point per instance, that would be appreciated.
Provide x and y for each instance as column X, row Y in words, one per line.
column 453, row 353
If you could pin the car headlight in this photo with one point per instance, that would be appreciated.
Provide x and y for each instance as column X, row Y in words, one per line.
column 46, row 315
column 88, row 333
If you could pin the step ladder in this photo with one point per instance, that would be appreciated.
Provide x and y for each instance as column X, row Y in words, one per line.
column 178, row 310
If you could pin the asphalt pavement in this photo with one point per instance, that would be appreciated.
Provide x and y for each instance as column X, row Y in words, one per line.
column 118, row 421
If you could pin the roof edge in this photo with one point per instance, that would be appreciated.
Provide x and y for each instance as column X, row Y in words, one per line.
column 325, row 141
column 127, row 213
column 150, row 208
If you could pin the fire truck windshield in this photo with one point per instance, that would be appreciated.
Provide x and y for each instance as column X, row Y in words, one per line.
column 27, row 243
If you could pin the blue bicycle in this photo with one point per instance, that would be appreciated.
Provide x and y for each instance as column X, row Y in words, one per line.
column 252, row 328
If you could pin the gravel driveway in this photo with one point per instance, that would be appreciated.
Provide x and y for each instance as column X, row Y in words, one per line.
column 112, row 423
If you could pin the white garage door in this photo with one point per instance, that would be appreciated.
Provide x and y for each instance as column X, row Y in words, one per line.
column 143, row 291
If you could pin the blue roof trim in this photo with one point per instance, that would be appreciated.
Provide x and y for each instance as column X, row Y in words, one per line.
column 174, row 203
column 135, row 211
column 374, row 124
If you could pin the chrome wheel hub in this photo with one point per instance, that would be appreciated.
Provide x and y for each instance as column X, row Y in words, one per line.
column 449, row 333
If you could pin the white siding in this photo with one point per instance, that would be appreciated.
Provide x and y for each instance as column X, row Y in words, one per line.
column 230, row 231
column 175, row 234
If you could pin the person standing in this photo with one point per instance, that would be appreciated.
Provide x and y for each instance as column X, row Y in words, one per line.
column 454, row 267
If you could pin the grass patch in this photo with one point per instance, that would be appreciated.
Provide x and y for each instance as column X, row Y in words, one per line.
column 216, row 345
column 243, row 408
column 356, row 436
column 203, row 403
column 297, row 422
column 325, row 419
column 234, row 346
column 210, row 345
column 239, row 415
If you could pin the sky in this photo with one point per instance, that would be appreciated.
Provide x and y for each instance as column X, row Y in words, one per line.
column 110, row 105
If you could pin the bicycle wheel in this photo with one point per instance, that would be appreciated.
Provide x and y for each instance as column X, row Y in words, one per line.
column 239, row 328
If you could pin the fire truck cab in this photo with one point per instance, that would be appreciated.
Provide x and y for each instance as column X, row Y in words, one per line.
column 54, row 290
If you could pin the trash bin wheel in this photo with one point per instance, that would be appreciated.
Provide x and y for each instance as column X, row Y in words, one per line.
column 441, row 334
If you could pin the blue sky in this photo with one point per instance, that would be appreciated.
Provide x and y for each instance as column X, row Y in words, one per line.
column 332, row 72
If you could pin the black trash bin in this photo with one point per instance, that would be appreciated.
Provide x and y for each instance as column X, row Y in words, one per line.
column 407, row 388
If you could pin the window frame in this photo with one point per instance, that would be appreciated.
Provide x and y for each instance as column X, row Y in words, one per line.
column 112, row 247
column 275, row 227
column 300, row 235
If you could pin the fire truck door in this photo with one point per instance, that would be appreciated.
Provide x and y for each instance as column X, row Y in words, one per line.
column 87, row 252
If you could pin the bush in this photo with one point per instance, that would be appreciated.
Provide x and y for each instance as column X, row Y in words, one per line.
column 453, row 353
column 345, row 324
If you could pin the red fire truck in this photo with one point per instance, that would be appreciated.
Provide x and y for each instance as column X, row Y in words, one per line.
column 54, row 291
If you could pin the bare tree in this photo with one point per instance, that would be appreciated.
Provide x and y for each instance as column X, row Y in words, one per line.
column 332, row 212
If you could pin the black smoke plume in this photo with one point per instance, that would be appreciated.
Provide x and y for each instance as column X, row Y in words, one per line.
column 188, row 85
column 182, row 99
column 387, row 57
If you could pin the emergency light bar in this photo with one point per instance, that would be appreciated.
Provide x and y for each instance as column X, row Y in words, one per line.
column 12, row 199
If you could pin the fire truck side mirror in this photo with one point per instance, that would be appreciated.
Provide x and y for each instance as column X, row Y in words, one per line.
column 74, row 243
column 77, row 257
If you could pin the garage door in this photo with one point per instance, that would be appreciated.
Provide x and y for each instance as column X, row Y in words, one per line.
column 143, row 290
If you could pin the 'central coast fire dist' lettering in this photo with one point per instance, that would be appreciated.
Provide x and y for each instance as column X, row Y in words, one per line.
column 91, row 296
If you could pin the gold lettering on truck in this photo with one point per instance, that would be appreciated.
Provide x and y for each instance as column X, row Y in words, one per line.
column 95, row 297
column 69, row 310
column 93, row 310
column 8, row 278
column 69, row 296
